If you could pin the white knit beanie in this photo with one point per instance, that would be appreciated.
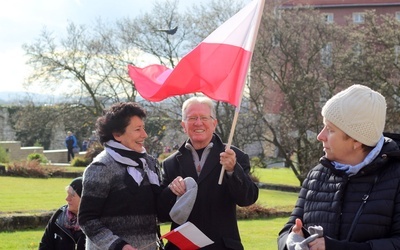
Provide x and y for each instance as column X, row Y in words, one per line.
column 358, row 111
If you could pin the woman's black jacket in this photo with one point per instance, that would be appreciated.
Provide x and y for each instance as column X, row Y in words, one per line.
column 331, row 199
column 57, row 237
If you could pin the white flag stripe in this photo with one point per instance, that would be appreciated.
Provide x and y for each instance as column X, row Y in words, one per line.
column 194, row 234
column 232, row 31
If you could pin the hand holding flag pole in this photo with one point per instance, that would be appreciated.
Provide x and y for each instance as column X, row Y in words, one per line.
column 217, row 67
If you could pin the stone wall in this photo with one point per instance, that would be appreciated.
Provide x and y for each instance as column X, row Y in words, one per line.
column 18, row 153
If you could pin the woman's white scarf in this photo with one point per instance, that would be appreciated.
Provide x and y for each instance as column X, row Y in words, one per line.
column 131, row 163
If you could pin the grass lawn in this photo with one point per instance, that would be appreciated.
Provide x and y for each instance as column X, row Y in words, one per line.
column 32, row 194
column 283, row 176
column 49, row 194
column 28, row 195
column 256, row 234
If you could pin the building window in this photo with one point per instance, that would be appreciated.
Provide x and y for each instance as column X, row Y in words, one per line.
column 328, row 17
column 398, row 16
column 397, row 54
column 358, row 17
column 326, row 55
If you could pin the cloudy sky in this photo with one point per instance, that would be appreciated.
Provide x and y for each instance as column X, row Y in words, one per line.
column 21, row 21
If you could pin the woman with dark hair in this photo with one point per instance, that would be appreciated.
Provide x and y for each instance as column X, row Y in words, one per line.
column 120, row 186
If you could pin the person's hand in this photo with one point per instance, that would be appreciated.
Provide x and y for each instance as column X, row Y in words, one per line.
column 178, row 186
column 317, row 244
column 228, row 160
column 297, row 228
column 129, row 247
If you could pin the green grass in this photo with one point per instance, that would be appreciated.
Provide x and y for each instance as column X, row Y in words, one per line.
column 21, row 240
column 283, row 176
column 277, row 199
column 32, row 194
column 35, row 195
column 256, row 234
column 49, row 194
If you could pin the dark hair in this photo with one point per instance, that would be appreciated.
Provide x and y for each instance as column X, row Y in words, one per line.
column 116, row 119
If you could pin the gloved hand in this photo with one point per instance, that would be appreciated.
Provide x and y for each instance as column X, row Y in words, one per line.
column 297, row 242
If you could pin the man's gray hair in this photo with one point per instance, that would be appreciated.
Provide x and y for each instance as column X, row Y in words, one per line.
column 198, row 99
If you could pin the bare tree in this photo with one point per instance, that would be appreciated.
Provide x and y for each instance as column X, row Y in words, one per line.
column 301, row 61
column 291, row 78
column 372, row 58
column 90, row 63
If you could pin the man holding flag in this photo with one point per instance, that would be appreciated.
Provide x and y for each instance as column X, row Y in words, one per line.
column 201, row 157
column 217, row 67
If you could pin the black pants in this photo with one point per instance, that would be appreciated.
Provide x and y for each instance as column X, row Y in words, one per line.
column 71, row 154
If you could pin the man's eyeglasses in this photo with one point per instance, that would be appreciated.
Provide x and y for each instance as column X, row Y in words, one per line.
column 193, row 119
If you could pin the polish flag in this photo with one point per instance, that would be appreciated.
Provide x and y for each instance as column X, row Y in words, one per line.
column 187, row 237
column 217, row 67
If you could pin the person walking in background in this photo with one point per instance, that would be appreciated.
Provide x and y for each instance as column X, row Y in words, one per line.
column 201, row 157
column 351, row 199
column 63, row 230
column 120, row 186
column 70, row 143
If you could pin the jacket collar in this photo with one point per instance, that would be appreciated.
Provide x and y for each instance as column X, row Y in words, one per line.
column 184, row 156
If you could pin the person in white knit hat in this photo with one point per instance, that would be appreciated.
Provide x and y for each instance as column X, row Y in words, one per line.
column 353, row 194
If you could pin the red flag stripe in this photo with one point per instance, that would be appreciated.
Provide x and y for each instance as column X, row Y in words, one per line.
column 199, row 71
column 180, row 241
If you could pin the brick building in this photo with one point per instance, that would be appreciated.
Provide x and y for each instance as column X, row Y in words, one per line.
column 339, row 11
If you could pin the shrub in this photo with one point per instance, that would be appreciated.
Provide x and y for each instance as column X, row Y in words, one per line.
column 30, row 169
column 255, row 211
column 4, row 157
column 80, row 161
column 39, row 157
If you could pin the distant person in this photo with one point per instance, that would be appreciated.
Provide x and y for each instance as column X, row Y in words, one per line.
column 200, row 158
column 351, row 198
column 120, row 186
column 63, row 230
column 70, row 143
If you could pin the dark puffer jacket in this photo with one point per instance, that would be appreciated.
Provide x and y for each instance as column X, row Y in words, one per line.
column 331, row 199
column 57, row 237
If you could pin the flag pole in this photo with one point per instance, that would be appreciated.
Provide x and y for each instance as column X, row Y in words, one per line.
column 237, row 109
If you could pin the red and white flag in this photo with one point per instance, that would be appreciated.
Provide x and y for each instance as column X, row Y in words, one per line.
column 187, row 237
column 217, row 67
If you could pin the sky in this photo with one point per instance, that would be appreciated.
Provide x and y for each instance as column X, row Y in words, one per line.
column 21, row 21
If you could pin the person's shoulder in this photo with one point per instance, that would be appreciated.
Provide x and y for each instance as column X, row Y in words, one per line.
column 237, row 150
column 172, row 156
column 59, row 211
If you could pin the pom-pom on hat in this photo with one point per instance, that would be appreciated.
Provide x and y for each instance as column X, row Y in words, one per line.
column 76, row 184
column 358, row 111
